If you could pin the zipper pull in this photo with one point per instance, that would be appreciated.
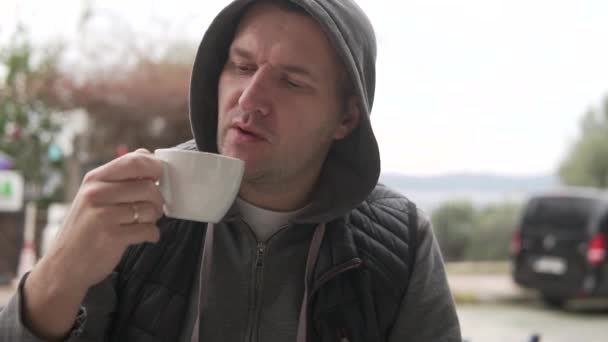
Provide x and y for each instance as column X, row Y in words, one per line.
column 261, row 249
column 342, row 336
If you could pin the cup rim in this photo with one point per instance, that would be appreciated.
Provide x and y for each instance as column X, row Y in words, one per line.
column 197, row 152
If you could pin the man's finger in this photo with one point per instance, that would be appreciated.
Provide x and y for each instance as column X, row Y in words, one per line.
column 134, row 165
column 140, row 212
column 143, row 151
column 131, row 191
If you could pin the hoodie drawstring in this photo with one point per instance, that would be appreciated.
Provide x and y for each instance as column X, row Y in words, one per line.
column 204, row 280
column 313, row 253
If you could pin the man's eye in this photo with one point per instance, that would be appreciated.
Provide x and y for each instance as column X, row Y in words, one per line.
column 292, row 84
column 242, row 68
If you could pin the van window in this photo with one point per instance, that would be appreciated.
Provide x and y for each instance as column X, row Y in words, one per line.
column 559, row 212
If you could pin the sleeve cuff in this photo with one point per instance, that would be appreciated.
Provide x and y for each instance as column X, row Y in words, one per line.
column 27, row 334
column 79, row 324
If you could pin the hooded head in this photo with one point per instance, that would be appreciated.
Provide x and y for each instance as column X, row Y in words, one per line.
column 328, row 92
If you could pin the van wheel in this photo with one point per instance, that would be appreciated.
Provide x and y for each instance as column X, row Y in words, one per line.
column 553, row 301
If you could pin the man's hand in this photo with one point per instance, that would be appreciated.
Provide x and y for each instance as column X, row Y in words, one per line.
column 116, row 206
column 102, row 224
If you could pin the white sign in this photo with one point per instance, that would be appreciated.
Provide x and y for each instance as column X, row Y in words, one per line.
column 11, row 191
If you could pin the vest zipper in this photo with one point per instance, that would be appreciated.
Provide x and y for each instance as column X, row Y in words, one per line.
column 259, row 266
column 347, row 266
column 342, row 336
column 327, row 276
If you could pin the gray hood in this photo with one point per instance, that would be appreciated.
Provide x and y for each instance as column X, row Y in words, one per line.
column 352, row 168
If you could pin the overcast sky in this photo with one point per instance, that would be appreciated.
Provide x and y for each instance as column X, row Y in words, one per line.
column 462, row 86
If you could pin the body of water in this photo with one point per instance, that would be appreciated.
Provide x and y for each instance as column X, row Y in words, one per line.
column 428, row 200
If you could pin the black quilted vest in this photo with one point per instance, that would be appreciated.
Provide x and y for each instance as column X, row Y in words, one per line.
column 360, row 278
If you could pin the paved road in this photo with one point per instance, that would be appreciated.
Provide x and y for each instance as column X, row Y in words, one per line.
column 487, row 288
column 502, row 311
column 517, row 322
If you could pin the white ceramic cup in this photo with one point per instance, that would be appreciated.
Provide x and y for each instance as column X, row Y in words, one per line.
column 198, row 186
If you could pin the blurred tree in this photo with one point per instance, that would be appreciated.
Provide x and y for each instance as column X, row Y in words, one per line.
column 586, row 163
column 453, row 223
column 494, row 227
column 467, row 233
column 141, row 106
column 134, row 88
column 28, row 77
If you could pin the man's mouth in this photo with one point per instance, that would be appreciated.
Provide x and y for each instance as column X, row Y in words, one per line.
column 247, row 134
column 244, row 131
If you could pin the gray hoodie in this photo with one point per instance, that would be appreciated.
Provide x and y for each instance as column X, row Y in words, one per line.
column 353, row 165
column 247, row 302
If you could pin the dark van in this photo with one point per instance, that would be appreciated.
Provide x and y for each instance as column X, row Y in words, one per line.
column 560, row 246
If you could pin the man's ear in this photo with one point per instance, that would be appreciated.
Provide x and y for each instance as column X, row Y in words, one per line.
column 350, row 118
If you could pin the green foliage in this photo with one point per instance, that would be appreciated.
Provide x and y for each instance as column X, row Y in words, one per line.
column 453, row 224
column 467, row 233
column 494, row 228
column 586, row 163
column 27, row 125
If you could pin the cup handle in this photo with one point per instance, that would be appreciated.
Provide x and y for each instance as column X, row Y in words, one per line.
column 165, row 189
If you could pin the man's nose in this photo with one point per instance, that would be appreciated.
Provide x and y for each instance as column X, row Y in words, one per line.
column 256, row 96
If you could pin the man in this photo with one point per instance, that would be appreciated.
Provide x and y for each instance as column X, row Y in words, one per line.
column 312, row 250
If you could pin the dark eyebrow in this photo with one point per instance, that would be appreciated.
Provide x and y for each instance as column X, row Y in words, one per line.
column 289, row 68
column 296, row 69
column 240, row 52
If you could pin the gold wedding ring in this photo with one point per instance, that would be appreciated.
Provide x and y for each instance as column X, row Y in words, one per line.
column 135, row 214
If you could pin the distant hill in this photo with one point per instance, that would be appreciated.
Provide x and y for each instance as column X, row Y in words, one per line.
column 470, row 182
column 481, row 189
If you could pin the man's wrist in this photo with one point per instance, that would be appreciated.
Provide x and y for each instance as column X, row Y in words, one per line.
column 50, row 302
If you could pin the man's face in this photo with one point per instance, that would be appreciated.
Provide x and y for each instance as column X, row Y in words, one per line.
column 280, row 103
